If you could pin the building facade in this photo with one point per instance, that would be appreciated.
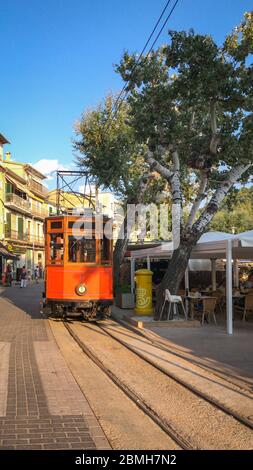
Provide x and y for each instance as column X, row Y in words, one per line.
column 104, row 201
column 23, row 210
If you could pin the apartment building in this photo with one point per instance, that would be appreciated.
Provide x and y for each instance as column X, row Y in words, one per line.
column 23, row 209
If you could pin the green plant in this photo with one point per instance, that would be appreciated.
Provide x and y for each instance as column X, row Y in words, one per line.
column 123, row 288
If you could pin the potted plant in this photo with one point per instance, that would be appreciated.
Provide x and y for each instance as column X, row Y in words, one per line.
column 124, row 296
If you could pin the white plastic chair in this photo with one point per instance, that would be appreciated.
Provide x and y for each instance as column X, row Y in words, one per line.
column 174, row 301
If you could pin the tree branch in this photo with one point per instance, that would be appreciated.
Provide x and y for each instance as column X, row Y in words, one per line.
column 215, row 140
column 143, row 185
column 216, row 200
column 175, row 158
column 199, row 198
column 156, row 166
column 173, row 177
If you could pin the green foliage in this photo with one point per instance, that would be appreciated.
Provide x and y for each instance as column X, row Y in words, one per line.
column 107, row 148
column 172, row 92
column 123, row 288
column 239, row 44
column 236, row 213
column 192, row 95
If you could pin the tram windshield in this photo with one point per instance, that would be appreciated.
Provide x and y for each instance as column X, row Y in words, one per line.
column 81, row 251
column 56, row 248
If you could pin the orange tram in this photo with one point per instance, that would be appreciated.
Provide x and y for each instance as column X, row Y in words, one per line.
column 78, row 274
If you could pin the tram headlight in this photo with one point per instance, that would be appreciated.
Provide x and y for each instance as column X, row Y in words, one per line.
column 81, row 289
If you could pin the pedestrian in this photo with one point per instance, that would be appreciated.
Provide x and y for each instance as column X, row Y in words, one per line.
column 40, row 271
column 23, row 277
column 36, row 274
column 9, row 275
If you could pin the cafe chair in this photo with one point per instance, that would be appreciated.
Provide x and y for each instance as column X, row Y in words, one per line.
column 220, row 300
column 174, row 302
column 206, row 309
column 209, row 309
column 248, row 306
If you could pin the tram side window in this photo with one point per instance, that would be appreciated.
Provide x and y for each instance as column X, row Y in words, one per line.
column 56, row 247
column 82, row 251
column 106, row 251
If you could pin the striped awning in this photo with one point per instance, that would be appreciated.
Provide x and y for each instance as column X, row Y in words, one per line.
column 23, row 188
column 6, row 253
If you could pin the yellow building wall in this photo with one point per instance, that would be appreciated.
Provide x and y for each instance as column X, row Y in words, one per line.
column 2, row 181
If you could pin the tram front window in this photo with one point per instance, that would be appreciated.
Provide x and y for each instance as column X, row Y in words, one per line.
column 82, row 251
column 56, row 248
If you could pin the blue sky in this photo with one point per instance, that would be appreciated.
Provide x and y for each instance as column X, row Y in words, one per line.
column 57, row 60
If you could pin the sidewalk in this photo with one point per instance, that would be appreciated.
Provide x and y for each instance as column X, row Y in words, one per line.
column 41, row 405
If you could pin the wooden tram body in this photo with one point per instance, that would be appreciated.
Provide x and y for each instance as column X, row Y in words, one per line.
column 78, row 277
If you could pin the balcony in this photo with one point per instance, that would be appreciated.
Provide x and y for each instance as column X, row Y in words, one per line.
column 14, row 235
column 39, row 213
column 37, row 188
column 16, row 202
column 35, row 239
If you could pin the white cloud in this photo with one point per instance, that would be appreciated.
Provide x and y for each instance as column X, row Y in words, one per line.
column 48, row 167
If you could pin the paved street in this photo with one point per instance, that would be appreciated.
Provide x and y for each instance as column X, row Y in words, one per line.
column 41, row 405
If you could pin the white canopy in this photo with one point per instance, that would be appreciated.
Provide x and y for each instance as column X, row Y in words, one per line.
column 211, row 245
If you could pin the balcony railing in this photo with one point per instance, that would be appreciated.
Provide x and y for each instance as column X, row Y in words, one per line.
column 24, row 237
column 39, row 212
column 17, row 201
column 38, row 188
column 15, row 235
column 26, row 205
column 37, row 240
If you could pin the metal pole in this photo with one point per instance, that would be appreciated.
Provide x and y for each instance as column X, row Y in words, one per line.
column 229, row 288
column 132, row 274
column 236, row 273
column 148, row 262
column 186, row 278
column 57, row 196
column 186, row 284
column 213, row 262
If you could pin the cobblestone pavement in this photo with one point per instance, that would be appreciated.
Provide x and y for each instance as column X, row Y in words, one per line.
column 41, row 405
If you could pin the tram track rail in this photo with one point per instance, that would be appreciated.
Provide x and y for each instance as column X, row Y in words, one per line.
column 161, row 344
column 183, row 443
column 241, row 419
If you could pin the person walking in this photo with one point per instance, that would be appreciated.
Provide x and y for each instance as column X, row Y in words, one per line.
column 9, row 275
column 36, row 274
column 23, row 277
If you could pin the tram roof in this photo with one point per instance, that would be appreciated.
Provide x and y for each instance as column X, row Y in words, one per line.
column 74, row 216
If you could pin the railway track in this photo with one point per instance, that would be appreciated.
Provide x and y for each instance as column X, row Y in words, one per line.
column 241, row 419
column 161, row 344
column 183, row 443
column 166, row 426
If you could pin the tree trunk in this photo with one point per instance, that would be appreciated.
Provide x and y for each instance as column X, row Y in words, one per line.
column 126, row 227
column 174, row 274
column 119, row 252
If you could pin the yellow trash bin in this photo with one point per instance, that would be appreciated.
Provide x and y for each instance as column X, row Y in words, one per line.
column 143, row 302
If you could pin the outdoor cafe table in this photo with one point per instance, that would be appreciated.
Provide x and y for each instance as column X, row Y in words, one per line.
column 194, row 300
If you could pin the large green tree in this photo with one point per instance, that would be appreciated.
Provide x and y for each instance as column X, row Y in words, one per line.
column 191, row 107
column 108, row 150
